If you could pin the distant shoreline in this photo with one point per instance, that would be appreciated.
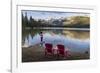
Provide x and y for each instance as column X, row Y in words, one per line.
column 57, row 28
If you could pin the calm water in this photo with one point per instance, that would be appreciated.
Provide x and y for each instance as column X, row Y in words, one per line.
column 75, row 40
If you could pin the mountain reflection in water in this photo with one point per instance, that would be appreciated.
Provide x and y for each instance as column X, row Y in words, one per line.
column 78, row 41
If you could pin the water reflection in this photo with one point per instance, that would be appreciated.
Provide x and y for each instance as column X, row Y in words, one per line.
column 77, row 34
column 75, row 40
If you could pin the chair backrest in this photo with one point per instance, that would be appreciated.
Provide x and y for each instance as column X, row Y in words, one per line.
column 48, row 47
column 61, row 48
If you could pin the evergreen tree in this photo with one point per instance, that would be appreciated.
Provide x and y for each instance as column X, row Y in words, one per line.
column 26, row 20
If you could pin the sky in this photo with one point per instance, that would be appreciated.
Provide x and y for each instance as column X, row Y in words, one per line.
column 46, row 15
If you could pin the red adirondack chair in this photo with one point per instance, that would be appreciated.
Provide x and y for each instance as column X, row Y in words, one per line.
column 61, row 51
column 48, row 49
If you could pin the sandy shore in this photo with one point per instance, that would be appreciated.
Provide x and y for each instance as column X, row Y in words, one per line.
column 36, row 54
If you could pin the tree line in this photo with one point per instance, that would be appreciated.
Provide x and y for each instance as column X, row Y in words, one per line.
column 31, row 23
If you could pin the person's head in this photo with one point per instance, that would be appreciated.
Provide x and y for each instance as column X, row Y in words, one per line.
column 41, row 32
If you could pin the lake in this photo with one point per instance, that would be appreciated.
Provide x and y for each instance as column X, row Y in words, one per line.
column 77, row 40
